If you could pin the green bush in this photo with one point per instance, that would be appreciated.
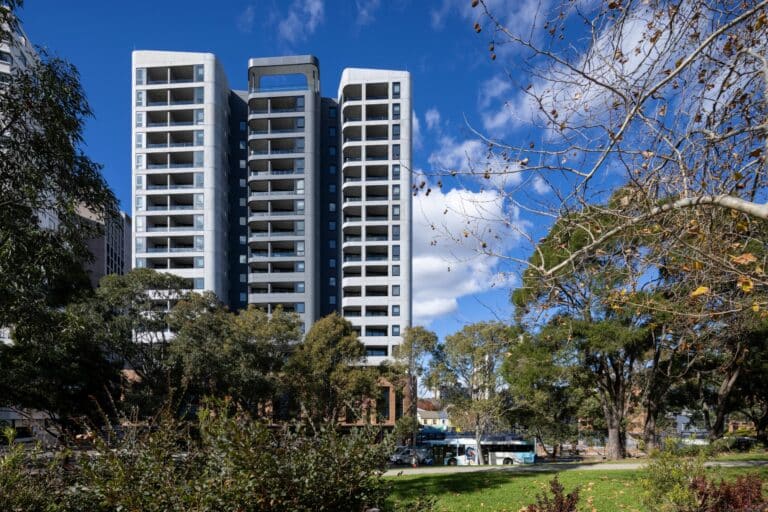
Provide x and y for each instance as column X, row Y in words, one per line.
column 225, row 461
column 558, row 502
column 667, row 484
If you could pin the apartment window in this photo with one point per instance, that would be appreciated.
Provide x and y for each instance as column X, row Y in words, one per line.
column 199, row 180
column 139, row 119
column 331, row 244
column 243, row 145
column 200, row 117
column 395, row 151
column 199, row 73
column 199, row 137
column 396, row 90
column 243, row 259
column 332, row 188
column 300, row 206
column 299, row 227
column 200, row 96
column 243, row 297
column 139, row 140
column 242, row 278
column 299, row 122
column 199, row 242
column 395, row 253
column 298, row 165
column 331, row 169
column 332, row 300
column 141, row 74
column 199, row 221
column 395, row 212
column 141, row 262
column 332, row 263
column 139, row 98
column 139, row 161
column 332, row 131
column 140, row 223
column 242, row 183
column 199, row 283
column 396, row 172
column 199, row 261
column 395, row 330
column 141, row 244
column 139, row 182
column 332, row 226
column 331, row 281
column 242, row 164
column 299, row 248
column 395, row 132
column 332, row 112
column 139, row 203
column 395, row 310
column 395, row 191
column 299, row 307
column 300, row 287
column 396, row 290
column 395, row 233
column 396, row 111
column 395, row 270
column 299, row 266
column 243, row 240
column 198, row 201
column 331, row 207
column 298, row 145
column 242, row 221
column 197, row 159
column 332, row 150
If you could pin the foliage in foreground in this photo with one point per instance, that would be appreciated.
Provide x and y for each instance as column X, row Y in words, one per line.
column 559, row 502
column 225, row 461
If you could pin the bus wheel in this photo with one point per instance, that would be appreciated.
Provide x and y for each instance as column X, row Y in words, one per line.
column 508, row 461
column 451, row 462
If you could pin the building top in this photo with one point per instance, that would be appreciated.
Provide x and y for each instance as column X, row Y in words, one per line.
column 288, row 60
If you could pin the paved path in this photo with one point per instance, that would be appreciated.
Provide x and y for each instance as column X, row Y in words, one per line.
column 553, row 466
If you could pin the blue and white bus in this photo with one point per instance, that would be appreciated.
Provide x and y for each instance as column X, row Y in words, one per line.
column 462, row 451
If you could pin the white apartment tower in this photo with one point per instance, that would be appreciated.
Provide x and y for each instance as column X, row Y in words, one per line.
column 277, row 196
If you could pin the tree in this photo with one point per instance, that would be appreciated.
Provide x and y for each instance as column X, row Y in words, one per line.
column 43, row 174
column 325, row 372
column 411, row 355
column 469, row 366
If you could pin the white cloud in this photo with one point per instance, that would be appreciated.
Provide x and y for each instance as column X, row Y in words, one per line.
column 366, row 11
column 246, row 19
column 472, row 158
column 446, row 264
column 540, row 186
column 514, row 14
column 418, row 139
column 432, row 117
column 302, row 20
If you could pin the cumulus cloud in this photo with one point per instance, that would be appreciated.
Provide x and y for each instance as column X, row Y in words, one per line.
column 418, row 139
column 449, row 260
column 432, row 117
column 471, row 158
column 513, row 13
column 366, row 11
column 302, row 20
column 540, row 186
column 246, row 19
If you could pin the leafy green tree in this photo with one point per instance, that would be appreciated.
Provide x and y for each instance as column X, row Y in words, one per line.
column 469, row 365
column 325, row 374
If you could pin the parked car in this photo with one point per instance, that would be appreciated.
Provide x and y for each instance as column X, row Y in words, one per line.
column 405, row 455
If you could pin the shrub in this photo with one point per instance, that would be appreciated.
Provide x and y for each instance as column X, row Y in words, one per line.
column 559, row 502
column 743, row 494
column 668, row 479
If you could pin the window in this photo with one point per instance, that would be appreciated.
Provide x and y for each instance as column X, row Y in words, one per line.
column 395, row 330
column 200, row 97
column 199, row 242
column 331, row 207
column 395, row 151
column 332, row 112
column 139, row 161
column 141, row 244
column 299, row 122
column 332, row 188
column 198, row 158
column 395, row 270
column 299, row 267
column 242, row 278
column 199, row 221
column 395, row 191
column 242, row 183
column 395, row 212
column 299, row 227
column 139, row 98
column 199, row 201
column 139, row 203
column 242, row 164
column 332, row 169
column 332, row 226
column 395, row 310
column 332, row 300
column 332, row 263
column 200, row 117
column 199, row 73
column 332, row 150
column 396, row 290
column 141, row 74
column 199, row 137
column 396, row 90
column 199, row 180
column 396, row 172
column 395, row 253
column 243, row 297
column 395, row 232
column 300, row 287
column 396, row 111
column 243, row 145
column 199, row 262
column 332, row 131
column 395, row 132
column 331, row 281
column 243, row 258
column 243, row 240
column 141, row 262
column 242, row 221
column 298, row 165
column 300, row 305
column 139, row 140
column 139, row 182
column 140, row 223
column 300, row 248
column 300, row 186
column 199, row 283
column 298, row 145
column 139, row 119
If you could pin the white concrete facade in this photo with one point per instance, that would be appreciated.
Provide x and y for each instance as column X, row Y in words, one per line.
column 180, row 163
column 376, row 206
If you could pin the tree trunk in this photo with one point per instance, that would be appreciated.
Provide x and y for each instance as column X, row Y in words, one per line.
column 614, row 447
column 761, row 426
column 479, row 451
column 649, row 427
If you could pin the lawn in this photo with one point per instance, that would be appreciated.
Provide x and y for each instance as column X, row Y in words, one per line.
column 510, row 491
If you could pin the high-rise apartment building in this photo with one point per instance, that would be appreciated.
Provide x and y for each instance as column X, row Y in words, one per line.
column 277, row 196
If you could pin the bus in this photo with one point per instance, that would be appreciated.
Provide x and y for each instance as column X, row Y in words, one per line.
column 462, row 451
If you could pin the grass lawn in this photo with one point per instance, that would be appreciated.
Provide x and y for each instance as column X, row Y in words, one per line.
column 605, row 491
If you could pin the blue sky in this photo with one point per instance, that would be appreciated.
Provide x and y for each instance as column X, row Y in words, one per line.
column 453, row 79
